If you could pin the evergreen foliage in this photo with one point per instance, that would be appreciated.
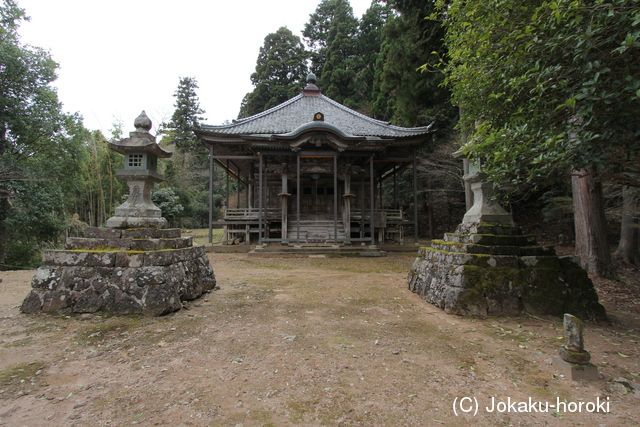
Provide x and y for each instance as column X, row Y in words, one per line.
column 548, row 86
column 369, row 45
column 316, row 34
column 187, row 115
column 341, row 56
column 281, row 69
column 168, row 202
column 402, row 94
column 40, row 146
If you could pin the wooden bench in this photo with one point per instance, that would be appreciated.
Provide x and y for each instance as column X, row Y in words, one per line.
column 239, row 223
column 389, row 222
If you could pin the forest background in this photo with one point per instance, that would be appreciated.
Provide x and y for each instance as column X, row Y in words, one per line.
column 490, row 77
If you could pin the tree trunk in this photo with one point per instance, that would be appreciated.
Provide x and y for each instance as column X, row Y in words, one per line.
column 629, row 246
column 591, row 230
column 4, row 200
column 4, row 210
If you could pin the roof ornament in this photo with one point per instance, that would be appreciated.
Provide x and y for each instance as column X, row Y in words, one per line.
column 311, row 89
column 142, row 122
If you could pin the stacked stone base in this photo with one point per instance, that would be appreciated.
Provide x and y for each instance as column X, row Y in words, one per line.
column 139, row 271
column 493, row 269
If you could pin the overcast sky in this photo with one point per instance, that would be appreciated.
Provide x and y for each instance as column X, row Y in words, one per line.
column 119, row 57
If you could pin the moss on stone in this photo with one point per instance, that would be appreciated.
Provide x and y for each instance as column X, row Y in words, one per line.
column 98, row 249
column 544, row 292
column 483, row 283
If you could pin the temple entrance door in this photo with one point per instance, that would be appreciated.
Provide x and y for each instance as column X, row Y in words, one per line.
column 316, row 199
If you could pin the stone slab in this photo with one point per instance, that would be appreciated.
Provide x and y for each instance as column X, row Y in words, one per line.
column 126, row 288
column 84, row 243
column 575, row 372
column 75, row 243
column 533, row 279
column 79, row 258
column 102, row 233
column 151, row 233
column 126, row 222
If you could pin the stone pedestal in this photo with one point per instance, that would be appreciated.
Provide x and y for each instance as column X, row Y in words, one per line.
column 485, row 208
column 138, row 211
column 493, row 269
column 488, row 267
column 574, row 371
column 138, row 271
column 134, row 265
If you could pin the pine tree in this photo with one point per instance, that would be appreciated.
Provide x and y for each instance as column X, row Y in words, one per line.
column 402, row 94
column 187, row 115
column 316, row 33
column 342, row 60
column 281, row 68
column 369, row 45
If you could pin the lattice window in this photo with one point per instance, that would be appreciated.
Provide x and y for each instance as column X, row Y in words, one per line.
column 135, row 160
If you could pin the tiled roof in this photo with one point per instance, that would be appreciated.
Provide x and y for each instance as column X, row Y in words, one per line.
column 300, row 110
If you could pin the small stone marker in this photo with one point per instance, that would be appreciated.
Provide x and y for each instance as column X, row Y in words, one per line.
column 573, row 361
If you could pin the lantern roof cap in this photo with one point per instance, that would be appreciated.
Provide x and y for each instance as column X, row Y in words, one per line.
column 140, row 140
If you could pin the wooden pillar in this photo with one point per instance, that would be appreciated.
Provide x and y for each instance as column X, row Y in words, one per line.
column 211, row 194
column 335, row 199
column 260, row 200
column 346, row 217
column 246, row 193
column 395, row 187
column 228, row 186
column 380, row 191
column 284, row 200
column 238, row 190
column 298, row 191
column 362, row 208
column 372, row 195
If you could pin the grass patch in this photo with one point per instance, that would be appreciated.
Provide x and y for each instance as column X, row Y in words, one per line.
column 265, row 265
column 110, row 328
column 19, row 373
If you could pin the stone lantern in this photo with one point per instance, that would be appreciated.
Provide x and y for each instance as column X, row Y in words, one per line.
column 133, row 266
column 140, row 171
column 488, row 267
column 485, row 207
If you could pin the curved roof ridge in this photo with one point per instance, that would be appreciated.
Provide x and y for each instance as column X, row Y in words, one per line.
column 292, row 114
column 371, row 119
column 257, row 116
column 315, row 126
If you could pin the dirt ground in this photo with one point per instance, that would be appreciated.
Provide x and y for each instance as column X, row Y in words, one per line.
column 309, row 341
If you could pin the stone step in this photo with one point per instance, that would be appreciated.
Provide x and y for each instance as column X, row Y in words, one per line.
column 489, row 228
column 442, row 245
column 135, row 233
column 75, row 243
column 106, row 258
column 461, row 259
column 364, row 251
column 491, row 239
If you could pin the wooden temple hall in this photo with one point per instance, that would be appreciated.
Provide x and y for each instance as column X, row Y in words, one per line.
column 310, row 171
